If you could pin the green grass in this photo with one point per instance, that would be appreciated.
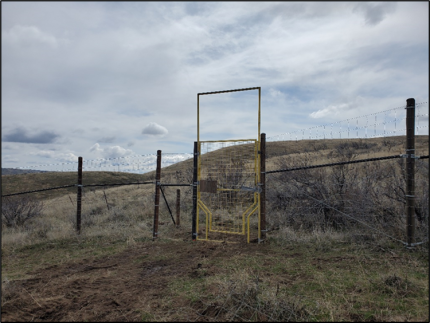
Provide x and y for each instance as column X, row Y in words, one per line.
column 37, row 256
column 350, row 282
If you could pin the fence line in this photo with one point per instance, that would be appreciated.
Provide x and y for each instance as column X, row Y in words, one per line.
column 342, row 163
column 350, row 128
column 146, row 163
column 41, row 190
column 317, row 132
column 409, row 156
column 349, row 216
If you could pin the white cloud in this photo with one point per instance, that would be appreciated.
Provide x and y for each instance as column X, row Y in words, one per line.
column 58, row 156
column 330, row 110
column 154, row 129
column 111, row 152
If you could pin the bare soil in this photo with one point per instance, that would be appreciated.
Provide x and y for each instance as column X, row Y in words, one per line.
column 120, row 287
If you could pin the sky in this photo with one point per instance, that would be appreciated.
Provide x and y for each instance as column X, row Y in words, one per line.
column 120, row 79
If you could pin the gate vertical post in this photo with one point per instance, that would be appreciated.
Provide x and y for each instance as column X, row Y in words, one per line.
column 79, row 197
column 410, row 171
column 263, row 229
column 194, row 224
column 178, row 207
column 157, row 196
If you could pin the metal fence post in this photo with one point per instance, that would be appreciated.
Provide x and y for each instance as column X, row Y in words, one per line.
column 157, row 196
column 410, row 171
column 194, row 225
column 178, row 207
column 263, row 229
column 79, row 197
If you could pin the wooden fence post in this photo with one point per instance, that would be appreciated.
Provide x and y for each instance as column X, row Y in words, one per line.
column 157, row 196
column 79, row 197
column 263, row 228
column 178, row 207
column 194, row 216
column 410, row 171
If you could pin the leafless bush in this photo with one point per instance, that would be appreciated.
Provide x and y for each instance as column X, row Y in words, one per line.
column 422, row 200
column 341, row 196
column 17, row 210
column 184, row 176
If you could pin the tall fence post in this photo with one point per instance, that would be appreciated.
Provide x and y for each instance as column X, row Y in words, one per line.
column 79, row 197
column 157, row 196
column 178, row 207
column 410, row 171
column 194, row 224
column 263, row 229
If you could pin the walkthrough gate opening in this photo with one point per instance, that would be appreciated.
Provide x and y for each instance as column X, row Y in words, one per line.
column 227, row 201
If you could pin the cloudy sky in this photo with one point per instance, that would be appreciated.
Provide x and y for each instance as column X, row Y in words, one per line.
column 117, row 79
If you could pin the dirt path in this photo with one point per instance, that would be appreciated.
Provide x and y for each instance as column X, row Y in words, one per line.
column 122, row 287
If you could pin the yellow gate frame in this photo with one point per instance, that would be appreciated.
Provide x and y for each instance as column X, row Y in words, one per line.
column 256, row 205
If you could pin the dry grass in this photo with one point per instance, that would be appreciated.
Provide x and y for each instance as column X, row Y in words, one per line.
column 301, row 273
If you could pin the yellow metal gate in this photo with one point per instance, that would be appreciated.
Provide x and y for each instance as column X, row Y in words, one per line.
column 228, row 177
column 228, row 190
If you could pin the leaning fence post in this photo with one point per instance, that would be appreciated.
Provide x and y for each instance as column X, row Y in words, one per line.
column 178, row 207
column 263, row 229
column 410, row 170
column 194, row 224
column 79, row 197
column 157, row 195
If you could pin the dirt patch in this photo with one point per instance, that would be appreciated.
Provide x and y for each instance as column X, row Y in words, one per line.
column 116, row 288
column 184, row 280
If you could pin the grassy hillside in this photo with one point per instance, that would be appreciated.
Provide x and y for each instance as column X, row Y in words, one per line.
column 364, row 148
column 14, row 171
column 315, row 265
column 29, row 182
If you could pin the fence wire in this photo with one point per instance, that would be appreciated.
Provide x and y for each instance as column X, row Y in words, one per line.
column 336, row 195
column 305, row 189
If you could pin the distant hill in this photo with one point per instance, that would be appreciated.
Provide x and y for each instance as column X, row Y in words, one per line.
column 15, row 171
column 42, row 180
column 365, row 148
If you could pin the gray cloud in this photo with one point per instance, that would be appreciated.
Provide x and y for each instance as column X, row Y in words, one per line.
column 154, row 129
column 21, row 135
column 374, row 13
column 88, row 70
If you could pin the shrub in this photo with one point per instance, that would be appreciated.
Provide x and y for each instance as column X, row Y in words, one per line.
column 17, row 210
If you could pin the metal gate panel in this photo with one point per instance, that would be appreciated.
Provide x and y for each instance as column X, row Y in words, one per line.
column 228, row 188
column 228, row 177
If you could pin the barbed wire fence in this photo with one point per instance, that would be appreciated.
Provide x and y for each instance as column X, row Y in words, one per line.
column 312, row 197
column 350, row 186
column 137, row 164
column 386, row 123
column 142, row 166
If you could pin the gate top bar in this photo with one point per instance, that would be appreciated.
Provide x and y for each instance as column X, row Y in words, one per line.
column 226, row 91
